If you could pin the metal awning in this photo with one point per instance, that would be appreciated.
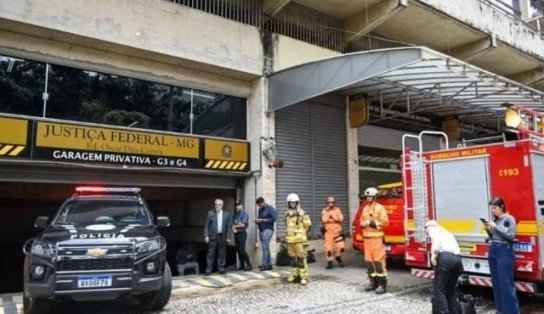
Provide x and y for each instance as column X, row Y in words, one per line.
column 416, row 80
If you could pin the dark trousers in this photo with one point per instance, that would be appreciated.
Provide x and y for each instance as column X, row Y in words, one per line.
column 448, row 269
column 501, row 264
column 240, row 240
column 219, row 246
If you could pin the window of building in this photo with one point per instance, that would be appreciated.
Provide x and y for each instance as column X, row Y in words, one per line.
column 378, row 166
column 88, row 96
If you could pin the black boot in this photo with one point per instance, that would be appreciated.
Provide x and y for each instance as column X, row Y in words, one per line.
column 340, row 262
column 372, row 284
column 329, row 265
column 382, row 285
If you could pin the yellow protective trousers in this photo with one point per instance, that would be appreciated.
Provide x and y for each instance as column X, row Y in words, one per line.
column 375, row 257
column 299, row 266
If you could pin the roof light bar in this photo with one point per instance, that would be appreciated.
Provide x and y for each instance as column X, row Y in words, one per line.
column 95, row 189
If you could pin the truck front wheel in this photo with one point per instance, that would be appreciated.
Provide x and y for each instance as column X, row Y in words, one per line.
column 158, row 299
column 35, row 306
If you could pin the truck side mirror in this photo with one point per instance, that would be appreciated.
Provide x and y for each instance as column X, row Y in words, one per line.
column 41, row 222
column 163, row 221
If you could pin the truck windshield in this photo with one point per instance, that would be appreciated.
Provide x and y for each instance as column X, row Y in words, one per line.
column 92, row 212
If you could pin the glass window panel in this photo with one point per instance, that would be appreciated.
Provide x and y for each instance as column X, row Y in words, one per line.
column 88, row 96
column 21, row 86
column 219, row 115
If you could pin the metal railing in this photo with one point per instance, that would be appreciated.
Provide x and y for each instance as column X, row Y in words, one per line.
column 514, row 15
column 295, row 21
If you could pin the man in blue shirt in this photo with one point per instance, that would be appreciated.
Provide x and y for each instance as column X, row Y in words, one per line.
column 265, row 222
column 241, row 220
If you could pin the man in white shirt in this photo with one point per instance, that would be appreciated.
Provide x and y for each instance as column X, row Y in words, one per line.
column 445, row 256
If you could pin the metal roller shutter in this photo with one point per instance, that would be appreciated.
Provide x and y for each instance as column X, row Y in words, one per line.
column 461, row 197
column 52, row 173
column 379, row 137
column 294, row 144
column 311, row 139
column 330, row 160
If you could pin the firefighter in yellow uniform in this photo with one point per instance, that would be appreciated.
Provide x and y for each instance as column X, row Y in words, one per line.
column 297, row 227
column 332, row 218
column 373, row 220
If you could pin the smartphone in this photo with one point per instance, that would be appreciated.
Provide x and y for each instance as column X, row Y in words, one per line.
column 484, row 220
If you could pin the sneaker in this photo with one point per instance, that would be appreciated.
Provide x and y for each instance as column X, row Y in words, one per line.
column 248, row 268
column 207, row 273
column 303, row 281
column 291, row 279
column 263, row 268
column 340, row 262
column 329, row 265
column 222, row 272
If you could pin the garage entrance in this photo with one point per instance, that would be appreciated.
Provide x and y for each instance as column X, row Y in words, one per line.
column 22, row 202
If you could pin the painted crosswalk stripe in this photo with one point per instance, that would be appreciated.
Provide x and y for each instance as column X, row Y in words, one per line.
column 238, row 276
column 222, row 280
column 272, row 273
column 258, row 276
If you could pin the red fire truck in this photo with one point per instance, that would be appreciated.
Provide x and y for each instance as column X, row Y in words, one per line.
column 454, row 186
column 390, row 196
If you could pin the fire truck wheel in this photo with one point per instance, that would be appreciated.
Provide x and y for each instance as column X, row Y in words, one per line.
column 36, row 306
column 158, row 299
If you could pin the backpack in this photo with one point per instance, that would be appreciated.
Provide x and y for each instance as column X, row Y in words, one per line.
column 468, row 303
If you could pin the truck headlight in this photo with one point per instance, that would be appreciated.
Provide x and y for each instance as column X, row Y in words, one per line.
column 42, row 249
column 148, row 246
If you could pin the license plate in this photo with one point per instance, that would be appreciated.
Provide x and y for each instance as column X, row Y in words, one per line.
column 388, row 248
column 94, row 281
column 523, row 247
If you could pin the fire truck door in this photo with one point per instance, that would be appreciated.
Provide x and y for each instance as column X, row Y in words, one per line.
column 461, row 194
column 538, row 181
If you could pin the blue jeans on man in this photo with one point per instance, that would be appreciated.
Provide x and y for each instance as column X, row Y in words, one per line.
column 265, row 237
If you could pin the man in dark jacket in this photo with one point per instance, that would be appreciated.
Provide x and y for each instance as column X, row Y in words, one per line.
column 217, row 233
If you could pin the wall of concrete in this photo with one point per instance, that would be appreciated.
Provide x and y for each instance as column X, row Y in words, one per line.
column 483, row 17
column 291, row 52
column 262, row 182
column 151, row 25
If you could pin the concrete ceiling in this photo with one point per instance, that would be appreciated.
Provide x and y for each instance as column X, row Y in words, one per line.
column 419, row 25
column 495, row 59
column 338, row 8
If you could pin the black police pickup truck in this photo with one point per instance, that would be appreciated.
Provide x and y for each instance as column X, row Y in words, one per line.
column 102, row 244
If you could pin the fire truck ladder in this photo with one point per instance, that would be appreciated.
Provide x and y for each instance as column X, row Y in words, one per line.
column 414, row 178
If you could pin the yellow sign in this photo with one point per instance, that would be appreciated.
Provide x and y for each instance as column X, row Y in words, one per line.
column 226, row 155
column 13, row 136
column 467, row 247
column 13, row 131
column 226, row 150
column 77, row 137
column 459, row 153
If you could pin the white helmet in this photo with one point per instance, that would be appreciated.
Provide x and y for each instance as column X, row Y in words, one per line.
column 292, row 197
column 371, row 192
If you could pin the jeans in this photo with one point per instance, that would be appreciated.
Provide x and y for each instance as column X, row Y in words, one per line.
column 188, row 265
column 265, row 236
column 501, row 264
column 448, row 269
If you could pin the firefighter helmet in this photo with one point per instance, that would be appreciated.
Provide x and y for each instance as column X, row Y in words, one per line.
column 372, row 192
column 292, row 197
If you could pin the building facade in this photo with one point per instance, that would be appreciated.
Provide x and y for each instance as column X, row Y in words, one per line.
column 175, row 97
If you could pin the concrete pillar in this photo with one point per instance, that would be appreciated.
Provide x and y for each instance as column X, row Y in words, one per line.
column 525, row 8
column 353, row 169
column 262, row 181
